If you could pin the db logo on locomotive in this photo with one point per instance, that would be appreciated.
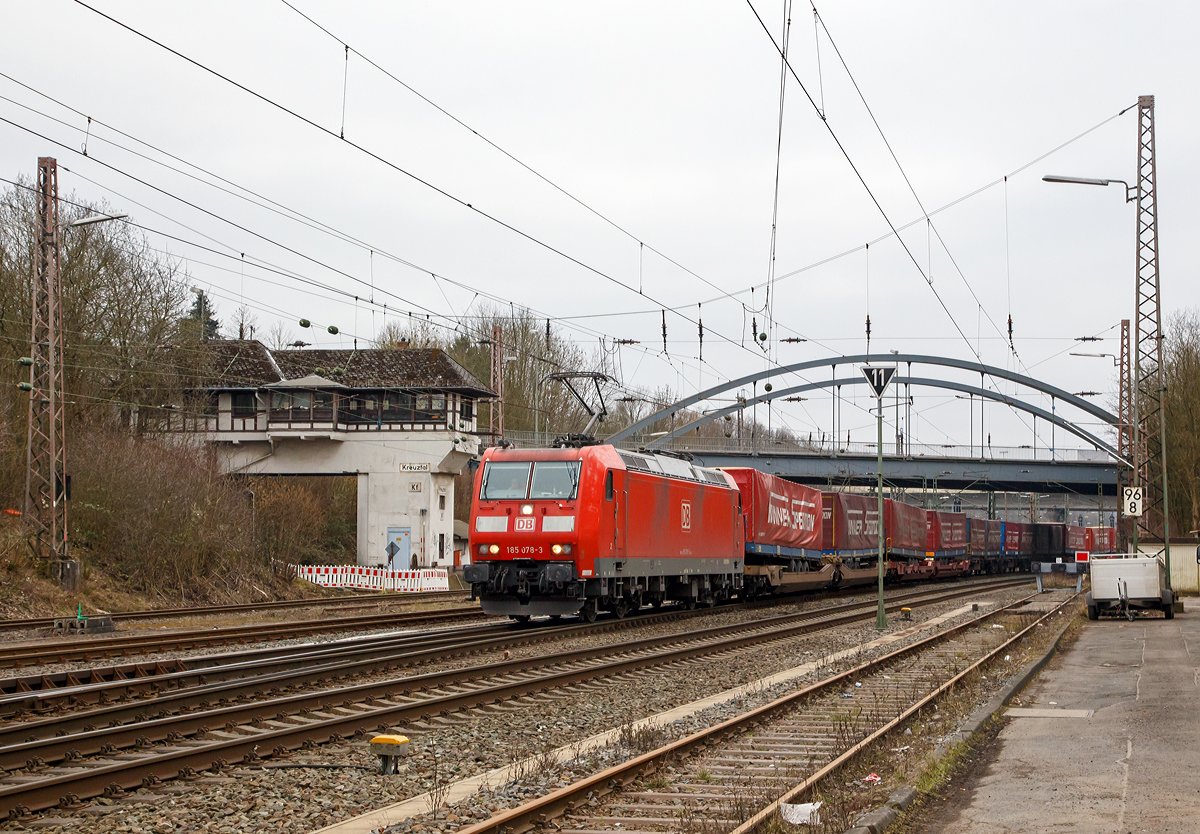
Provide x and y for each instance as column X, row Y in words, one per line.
column 685, row 515
column 524, row 525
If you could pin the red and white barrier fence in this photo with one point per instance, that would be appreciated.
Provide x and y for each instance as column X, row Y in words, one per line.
column 374, row 579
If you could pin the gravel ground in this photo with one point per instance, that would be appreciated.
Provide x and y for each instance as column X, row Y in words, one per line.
column 301, row 800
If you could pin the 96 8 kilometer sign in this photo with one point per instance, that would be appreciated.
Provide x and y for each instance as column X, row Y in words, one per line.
column 1131, row 501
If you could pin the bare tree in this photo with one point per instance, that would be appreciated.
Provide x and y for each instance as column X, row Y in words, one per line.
column 279, row 336
column 1181, row 401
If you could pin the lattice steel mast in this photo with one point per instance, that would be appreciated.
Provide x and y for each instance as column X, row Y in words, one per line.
column 1125, row 426
column 1148, row 417
column 45, row 478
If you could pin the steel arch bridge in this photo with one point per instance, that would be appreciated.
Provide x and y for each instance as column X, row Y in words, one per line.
column 1056, row 394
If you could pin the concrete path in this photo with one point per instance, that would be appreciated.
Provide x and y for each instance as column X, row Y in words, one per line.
column 1132, row 765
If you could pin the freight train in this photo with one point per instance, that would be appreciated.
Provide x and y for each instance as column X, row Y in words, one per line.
column 591, row 528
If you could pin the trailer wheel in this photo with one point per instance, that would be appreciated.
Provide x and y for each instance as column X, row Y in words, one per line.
column 1169, row 611
column 1093, row 612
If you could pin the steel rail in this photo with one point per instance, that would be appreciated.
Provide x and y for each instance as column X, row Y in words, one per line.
column 549, row 807
column 58, row 738
column 331, row 716
column 356, row 601
column 93, row 684
column 27, row 654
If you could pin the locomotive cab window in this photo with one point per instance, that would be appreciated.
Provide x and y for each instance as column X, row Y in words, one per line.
column 555, row 479
column 505, row 481
column 608, row 492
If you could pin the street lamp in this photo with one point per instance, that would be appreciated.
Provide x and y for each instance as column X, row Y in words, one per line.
column 96, row 218
column 1097, row 356
column 1130, row 192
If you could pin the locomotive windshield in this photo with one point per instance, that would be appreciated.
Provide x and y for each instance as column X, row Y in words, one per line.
column 555, row 479
column 505, row 481
column 509, row 481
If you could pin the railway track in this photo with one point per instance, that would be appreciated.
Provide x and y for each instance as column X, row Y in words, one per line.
column 85, row 684
column 732, row 777
column 99, row 685
column 87, row 649
column 343, row 603
column 63, row 769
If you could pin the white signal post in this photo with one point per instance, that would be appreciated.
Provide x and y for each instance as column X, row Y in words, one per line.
column 878, row 378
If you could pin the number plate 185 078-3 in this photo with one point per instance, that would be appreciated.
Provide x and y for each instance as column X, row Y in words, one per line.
column 526, row 550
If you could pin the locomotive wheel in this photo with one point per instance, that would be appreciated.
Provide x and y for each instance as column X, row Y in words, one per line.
column 690, row 603
column 621, row 608
column 589, row 611
column 520, row 618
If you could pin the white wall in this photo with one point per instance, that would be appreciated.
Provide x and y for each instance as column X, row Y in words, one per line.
column 388, row 496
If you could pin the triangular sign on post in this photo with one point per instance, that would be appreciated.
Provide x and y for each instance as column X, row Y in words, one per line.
column 878, row 376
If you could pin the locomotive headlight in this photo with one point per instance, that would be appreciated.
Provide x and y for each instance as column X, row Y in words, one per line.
column 556, row 549
column 483, row 550
column 494, row 549
column 526, row 509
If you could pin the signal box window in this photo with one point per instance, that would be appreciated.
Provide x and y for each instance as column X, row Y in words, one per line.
column 505, row 481
column 244, row 404
column 555, row 479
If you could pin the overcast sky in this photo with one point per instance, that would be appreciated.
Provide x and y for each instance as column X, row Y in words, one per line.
column 660, row 121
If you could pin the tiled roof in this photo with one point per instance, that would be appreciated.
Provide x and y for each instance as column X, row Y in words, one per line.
column 236, row 364
column 231, row 363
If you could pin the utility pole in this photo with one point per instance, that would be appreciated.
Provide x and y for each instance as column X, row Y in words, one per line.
column 1125, row 433
column 46, row 484
column 1148, row 414
column 496, row 413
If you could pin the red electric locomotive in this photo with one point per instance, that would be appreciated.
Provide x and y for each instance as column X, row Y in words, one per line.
column 566, row 530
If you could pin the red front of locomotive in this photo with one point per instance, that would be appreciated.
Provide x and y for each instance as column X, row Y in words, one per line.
column 559, row 531
column 537, row 526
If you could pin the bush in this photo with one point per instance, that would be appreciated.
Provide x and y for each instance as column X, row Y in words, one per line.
column 161, row 517
column 307, row 520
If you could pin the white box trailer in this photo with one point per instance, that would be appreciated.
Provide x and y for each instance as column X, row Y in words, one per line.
column 1125, row 583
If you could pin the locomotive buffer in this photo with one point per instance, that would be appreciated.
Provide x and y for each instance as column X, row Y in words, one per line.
column 878, row 378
